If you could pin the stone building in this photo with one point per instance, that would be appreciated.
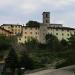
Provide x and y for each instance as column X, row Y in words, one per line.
column 39, row 32
column 15, row 28
column 5, row 32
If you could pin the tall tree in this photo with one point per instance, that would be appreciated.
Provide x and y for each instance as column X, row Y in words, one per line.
column 71, row 42
column 11, row 61
column 51, row 41
column 4, row 42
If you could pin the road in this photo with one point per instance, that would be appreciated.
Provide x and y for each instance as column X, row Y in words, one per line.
column 41, row 72
column 62, row 71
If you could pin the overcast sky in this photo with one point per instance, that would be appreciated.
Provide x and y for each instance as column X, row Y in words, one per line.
column 21, row 11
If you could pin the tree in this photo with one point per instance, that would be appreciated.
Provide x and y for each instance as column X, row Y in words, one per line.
column 32, row 44
column 51, row 41
column 7, row 42
column 69, row 55
column 26, row 61
column 71, row 42
column 11, row 61
column 64, row 45
column 33, row 23
column 4, row 42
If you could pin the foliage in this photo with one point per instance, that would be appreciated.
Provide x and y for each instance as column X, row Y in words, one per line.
column 63, row 46
column 69, row 55
column 53, row 50
column 33, row 23
column 72, row 42
column 7, row 42
column 36, row 55
column 11, row 61
column 52, row 42
column 31, row 44
column 4, row 42
column 25, row 61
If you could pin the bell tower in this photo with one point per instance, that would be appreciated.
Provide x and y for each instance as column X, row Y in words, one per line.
column 46, row 18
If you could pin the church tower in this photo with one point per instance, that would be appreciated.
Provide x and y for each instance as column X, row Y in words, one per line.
column 46, row 18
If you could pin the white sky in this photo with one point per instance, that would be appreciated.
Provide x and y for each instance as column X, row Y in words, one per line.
column 21, row 11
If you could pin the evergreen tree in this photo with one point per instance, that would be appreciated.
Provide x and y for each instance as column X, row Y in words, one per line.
column 11, row 61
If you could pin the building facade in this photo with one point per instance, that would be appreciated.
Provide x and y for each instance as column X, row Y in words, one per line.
column 15, row 28
column 5, row 32
column 39, row 32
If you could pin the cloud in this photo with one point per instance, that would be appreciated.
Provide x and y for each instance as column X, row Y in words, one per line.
column 62, row 11
column 30, row 6
column 4, row 3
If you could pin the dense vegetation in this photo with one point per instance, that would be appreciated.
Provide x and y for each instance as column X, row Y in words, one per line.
column 33, row 55
column 32, row 23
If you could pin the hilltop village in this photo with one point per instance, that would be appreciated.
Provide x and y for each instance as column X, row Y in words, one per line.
column 36, row 45
column 38, row 32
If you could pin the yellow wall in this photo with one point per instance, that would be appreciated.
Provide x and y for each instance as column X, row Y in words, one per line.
column 4, row 32
column 13, row 28
column 29, row 32
column 61, row 34
column 39, row 33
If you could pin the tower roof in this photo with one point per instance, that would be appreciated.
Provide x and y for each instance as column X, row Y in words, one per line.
column 46, row 12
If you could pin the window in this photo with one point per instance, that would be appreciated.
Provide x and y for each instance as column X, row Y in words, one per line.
column 46, row 21
column 47, row 15
column 30, row 32
column 36, row 32
column 19, row 26
column 18, row 30
column 12, row 30
column 62, row 34
column 67, row 34
column 56, row 33
column 25, row 32
column 25, row 37
column 19, row 38
column 25, row 41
